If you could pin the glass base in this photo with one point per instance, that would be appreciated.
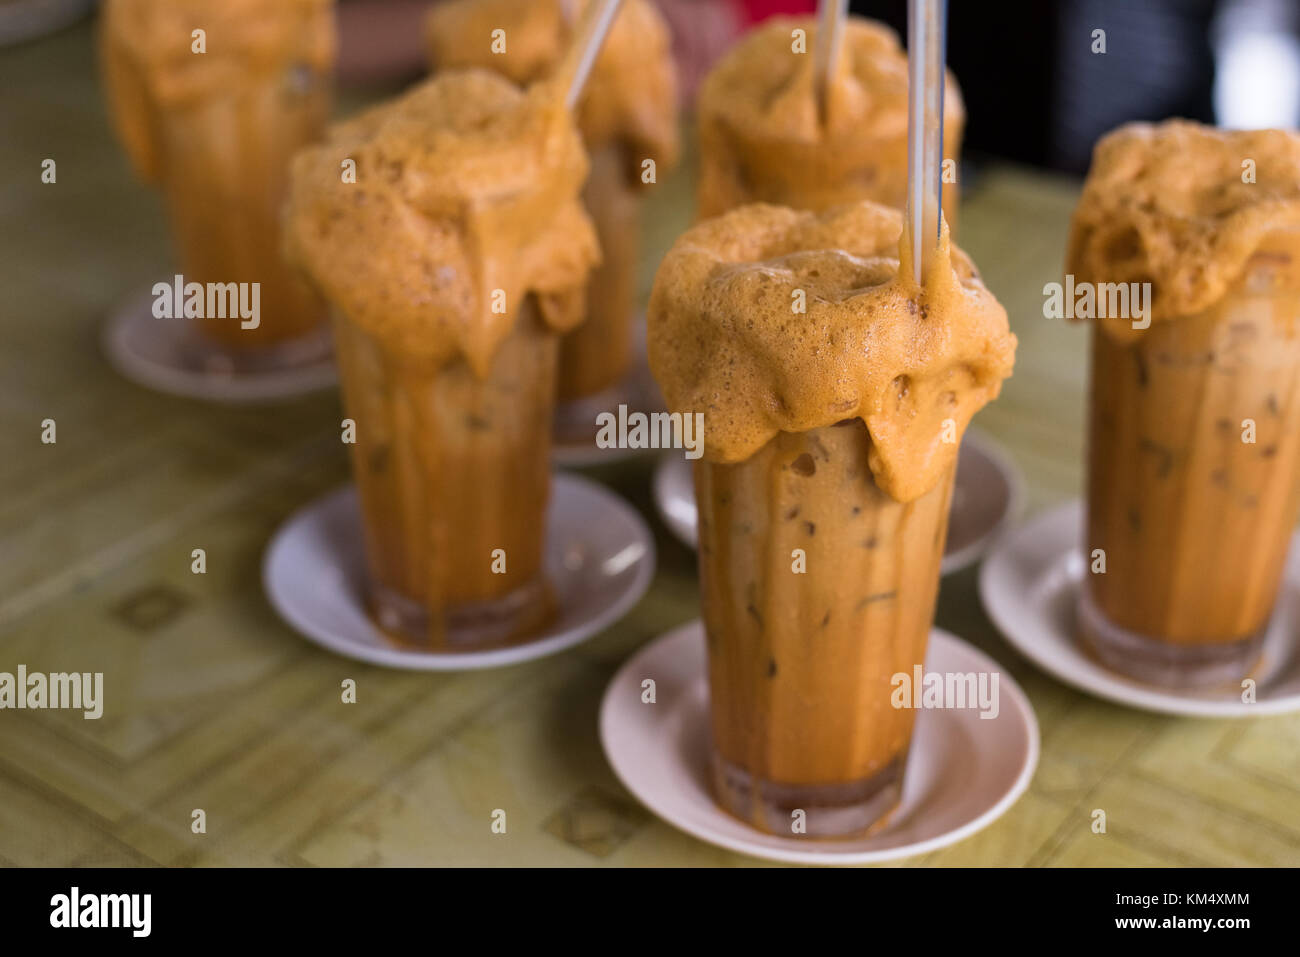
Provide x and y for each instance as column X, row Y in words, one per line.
column 208, row 355
column 851, row 809
column 575, row 419
column 1164, row 663
column 179, row 357
column 470, row 627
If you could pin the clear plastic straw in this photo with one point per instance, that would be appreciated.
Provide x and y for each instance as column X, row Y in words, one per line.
column 926, row 36
column 831, row 15
column 587, row 41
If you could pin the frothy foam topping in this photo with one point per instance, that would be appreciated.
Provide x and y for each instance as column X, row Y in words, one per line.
column 465, row 203
column 913, row 362
column 765, row 137
column 630, row 99
column 1168, row 204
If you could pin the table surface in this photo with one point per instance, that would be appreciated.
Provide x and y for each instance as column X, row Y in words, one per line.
column 214, row 703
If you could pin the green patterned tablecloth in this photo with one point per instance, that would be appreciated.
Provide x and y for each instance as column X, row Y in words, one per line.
column 213, row 703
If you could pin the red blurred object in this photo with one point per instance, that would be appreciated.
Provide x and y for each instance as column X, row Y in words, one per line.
column 703, row 30
column 755, row 10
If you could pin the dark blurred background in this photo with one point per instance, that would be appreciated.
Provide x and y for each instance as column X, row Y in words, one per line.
column 1036, row 92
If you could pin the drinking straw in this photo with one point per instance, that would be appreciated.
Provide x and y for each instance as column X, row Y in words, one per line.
column 926, row 36
column 587, row 40
column 826, row 46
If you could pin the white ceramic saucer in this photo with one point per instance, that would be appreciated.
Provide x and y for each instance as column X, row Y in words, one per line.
column 963, row 773
column 22, row 20
column 599, row 560
column 1030, row 584
column 987, row 496
column 169, row 355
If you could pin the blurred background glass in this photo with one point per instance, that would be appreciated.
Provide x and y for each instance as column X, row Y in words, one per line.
column 1038, row 90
